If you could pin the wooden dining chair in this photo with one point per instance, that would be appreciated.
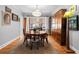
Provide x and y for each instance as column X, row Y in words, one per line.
column 44, row 37
column 24, row 36
column 35, row 41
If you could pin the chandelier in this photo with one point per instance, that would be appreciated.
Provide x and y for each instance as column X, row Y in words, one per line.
column 36, row 12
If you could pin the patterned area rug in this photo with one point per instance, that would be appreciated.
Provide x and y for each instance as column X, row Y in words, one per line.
column 47, row 49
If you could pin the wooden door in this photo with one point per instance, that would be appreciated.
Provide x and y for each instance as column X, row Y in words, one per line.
column 63, row 32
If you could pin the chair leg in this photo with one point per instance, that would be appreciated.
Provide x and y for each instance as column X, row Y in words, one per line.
column 24, row 41
column 46, row 40
column 43, row 42
column 31, row 45
column 37, row 45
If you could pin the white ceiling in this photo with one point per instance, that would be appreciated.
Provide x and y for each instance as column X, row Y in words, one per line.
column 46, row 10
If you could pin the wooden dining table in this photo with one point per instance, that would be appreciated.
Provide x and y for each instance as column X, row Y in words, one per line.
column 35, row 37
column 32, row 32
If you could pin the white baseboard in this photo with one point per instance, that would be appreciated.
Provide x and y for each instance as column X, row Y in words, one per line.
column 74, row 49
column 7, row 43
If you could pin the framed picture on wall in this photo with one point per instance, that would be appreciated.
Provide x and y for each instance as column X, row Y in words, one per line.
column 7, row 18
column 73, row 23
column 14, row 17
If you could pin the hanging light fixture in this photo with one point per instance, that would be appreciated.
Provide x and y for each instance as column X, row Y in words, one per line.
column 36, row 12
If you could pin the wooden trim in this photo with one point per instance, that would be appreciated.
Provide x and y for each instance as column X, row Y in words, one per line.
column 9, row 42
column 75, row 50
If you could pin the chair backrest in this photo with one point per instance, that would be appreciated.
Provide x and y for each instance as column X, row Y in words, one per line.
column 28, row 36
column 44, row 35
column 34, row 36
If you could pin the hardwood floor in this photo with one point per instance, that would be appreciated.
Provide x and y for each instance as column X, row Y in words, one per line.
column 17, row 47
column 9, row 47
column 57, row 46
